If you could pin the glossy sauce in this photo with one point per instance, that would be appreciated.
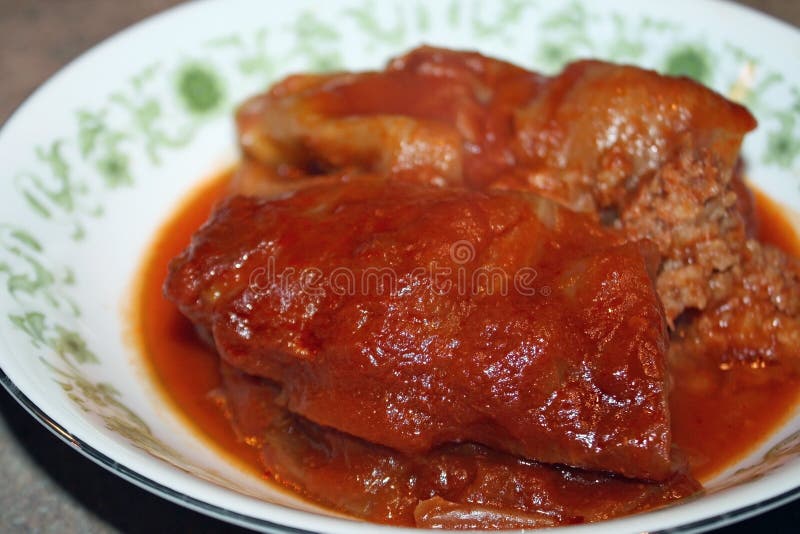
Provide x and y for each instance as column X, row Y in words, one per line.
column 714, row 430
column 716, row 427
column 185, row 368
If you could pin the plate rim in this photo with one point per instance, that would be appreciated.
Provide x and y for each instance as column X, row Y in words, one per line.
column 218, row 512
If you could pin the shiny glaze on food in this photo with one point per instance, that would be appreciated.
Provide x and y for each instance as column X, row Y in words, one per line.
column 441, row 348
column 414, row 406
column 714, row 426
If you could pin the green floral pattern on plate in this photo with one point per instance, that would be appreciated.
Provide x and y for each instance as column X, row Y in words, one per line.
column 141, row 124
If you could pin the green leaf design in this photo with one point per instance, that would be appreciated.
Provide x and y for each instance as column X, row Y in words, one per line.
column 454, row 14
column 783, row 147
column 308, row 28
column 60, row 196
column 317, row 43
column 624, row 46
column 100, row 398
column 25, row 238
column 26, row 273
column 54, row 193
column 35, row 204
column 553, row 56
column 145, row 76
column 99, row 140
column 572, row 18
column 33, row 324
column 369, row 25
column 233, row 40
column 692, row 61
column 114, row 167
column 256, row 59
column 103, row 399
column 649, row 23
column 22, row 282
column 504, row 23
column 64, row 193
column 91, row 126
column 565, row 34
column 423, row 18
column 200, row 88
column 70, row 343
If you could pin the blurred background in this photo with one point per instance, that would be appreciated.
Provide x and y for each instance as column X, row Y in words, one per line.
column 45, row 486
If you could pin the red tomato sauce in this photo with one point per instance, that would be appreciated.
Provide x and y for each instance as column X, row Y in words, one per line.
column 713, row 430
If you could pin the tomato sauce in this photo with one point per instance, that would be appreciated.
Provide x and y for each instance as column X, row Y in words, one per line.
column 715, row 425
column 186, row 370
column 719, row 416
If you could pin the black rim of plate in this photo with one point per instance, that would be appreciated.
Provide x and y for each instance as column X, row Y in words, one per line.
column 136, row 478
column 237, row 518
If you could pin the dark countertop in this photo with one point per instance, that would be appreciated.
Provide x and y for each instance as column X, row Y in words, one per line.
column 45, row 486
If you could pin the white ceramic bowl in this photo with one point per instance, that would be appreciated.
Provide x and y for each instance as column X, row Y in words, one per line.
column 100, row 155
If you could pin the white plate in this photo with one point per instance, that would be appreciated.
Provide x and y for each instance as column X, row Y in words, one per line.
column 100, row 155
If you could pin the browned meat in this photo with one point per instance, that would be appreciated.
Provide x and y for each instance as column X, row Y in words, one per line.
column 608, row 129
column 434, row 116
column 437, row 399
column 657, row 152
column 754, row 319
column 661, row 154
column 495, row 317
column 652, row 155
column 456, row 486
column 690, row 210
